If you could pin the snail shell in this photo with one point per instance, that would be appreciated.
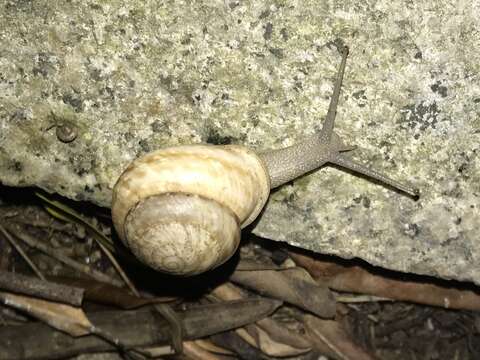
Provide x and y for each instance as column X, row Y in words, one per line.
column 180, row 209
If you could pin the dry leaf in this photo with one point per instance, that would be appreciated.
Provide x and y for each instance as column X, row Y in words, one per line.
column 290, row 286
column 329, row 337
column 102, row 293
column 359, row 280
column 209, row 346
column 60, row 316
column 195, row 352
column 271, row 347
column 267, row 335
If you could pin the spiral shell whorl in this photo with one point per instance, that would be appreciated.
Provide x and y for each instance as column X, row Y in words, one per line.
column 232, row 177
column 182, row 234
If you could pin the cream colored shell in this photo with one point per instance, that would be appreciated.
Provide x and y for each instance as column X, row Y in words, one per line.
column 229, row 186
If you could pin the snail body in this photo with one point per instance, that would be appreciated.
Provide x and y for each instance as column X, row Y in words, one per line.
column 181, row 209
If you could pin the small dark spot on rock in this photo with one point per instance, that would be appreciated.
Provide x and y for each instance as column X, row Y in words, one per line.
column 412, row 230
column 298, row 85
column 338, row 43
column 362, row 199
column 264, row 14
column 17, row 166
column 88, row 189
column 19, row 115
column 476, row 101
column 439, row 89
column 158, row 126
column 278, row 53
column 359, row 94
column 284, row 34
column 128, row 136
column 215, row 138
column 19, row 5
column 254, row 119
column 44, row 64
column 267, row 34
column 144, row 145
column 233, row 4
column 95, row 74
column 458, row 221
column 366, row 202
column 360, row 97
column 421, row 115
column 74, row 101
column 108, row 92
column 167, row 81
column 462, row 168
column 81, row 170
column 186, row 40
column 418, row 55
column 196, row 99
column 385, row 143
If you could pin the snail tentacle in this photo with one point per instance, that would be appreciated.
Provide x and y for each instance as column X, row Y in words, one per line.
column 289, row 163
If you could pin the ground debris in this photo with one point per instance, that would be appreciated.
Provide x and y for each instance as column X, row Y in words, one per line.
column 237, row 309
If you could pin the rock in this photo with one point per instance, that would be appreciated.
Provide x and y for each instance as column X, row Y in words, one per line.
column 127, row 77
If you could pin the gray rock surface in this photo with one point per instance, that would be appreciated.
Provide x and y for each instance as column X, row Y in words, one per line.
column 132, row 76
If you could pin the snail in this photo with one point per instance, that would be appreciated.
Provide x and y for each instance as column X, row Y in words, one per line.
column 66, row 133
column 181, row 209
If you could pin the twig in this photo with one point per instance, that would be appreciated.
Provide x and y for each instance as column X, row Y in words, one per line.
column 118, row 268
column 22, row 253
column 47, row 290
column 360, row 298
column 175, row 325
column 65, row 213
column 134, row 328
column 97, row 275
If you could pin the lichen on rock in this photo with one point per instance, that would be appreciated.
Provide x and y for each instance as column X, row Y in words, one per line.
column 129, row 77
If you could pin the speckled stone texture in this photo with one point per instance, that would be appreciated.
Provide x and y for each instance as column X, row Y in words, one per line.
column 132, row 76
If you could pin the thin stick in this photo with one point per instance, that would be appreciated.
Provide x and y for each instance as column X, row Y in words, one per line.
column 97, row 275
column 22, row 253
column 118, row 268
column 21, row 284
column 360, row 298
column 175, row 324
